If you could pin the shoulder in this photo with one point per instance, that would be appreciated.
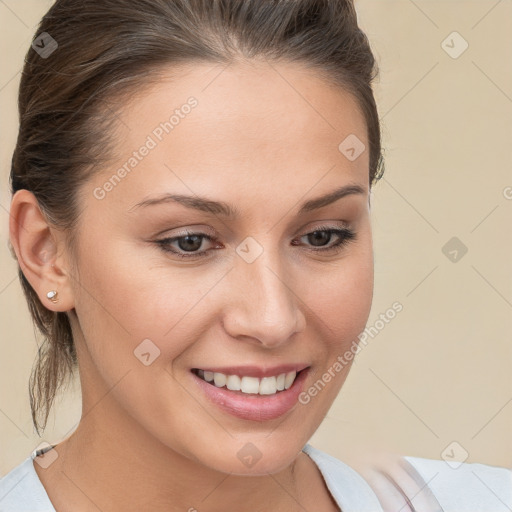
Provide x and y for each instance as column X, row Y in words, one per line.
column 22, row 491
column 434, row 485
column 347, row 486
column 466, row 487
column 412, row 483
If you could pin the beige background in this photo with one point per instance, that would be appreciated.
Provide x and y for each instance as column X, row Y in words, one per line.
column 439, row 372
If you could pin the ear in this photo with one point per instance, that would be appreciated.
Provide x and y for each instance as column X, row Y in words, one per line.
column 40, row 250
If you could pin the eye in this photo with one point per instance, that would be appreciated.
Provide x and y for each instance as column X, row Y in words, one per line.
column 188, row 245
column 320, row 238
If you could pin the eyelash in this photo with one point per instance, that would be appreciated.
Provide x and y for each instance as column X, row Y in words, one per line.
column 346, row 235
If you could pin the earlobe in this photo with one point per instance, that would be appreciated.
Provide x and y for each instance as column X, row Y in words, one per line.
column 36, row 246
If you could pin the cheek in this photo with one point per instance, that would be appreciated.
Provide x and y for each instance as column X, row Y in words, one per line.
column 341, row 301
column 126, row 299
column 340, row 294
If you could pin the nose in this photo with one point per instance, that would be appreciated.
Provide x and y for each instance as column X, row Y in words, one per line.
column 264, row 307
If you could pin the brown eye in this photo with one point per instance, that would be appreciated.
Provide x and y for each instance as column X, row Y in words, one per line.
column 321, row 237
column 186, row 246
column 190, row 242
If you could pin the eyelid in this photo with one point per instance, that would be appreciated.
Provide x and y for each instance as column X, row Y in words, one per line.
column 191, row 229
column 200, row 229
column 324, row 224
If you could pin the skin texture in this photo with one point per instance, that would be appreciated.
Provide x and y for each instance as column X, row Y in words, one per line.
column 148, row 438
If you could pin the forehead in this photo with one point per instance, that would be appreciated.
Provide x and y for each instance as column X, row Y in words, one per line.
column 254, row 125
column 262, row 92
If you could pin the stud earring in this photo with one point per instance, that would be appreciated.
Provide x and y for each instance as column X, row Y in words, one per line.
column 53, row 296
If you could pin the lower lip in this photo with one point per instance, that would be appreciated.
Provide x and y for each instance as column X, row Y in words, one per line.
column 254, row 407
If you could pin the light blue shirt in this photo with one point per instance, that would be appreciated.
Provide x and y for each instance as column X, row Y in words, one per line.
column 468, row 488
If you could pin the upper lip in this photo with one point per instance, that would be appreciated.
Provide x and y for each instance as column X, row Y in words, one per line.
column 255, row 371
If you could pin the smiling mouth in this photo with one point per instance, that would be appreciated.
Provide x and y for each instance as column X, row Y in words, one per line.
column 247, row 385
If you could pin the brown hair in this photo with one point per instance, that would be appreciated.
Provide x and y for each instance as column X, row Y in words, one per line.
column 104, row 51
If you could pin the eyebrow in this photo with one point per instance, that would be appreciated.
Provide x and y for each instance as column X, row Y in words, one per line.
column 226, row 210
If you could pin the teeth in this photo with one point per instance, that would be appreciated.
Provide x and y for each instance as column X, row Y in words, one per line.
column 268, row 386
column 250, row 385
column 219, row 379
column 288, row 381
column 233, row 382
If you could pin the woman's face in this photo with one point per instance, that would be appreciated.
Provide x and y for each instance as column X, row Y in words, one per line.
column 256, row 289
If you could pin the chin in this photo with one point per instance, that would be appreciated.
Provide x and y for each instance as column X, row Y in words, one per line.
column 254, row 455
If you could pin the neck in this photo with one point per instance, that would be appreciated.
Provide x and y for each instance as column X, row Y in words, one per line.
column 111, row 463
